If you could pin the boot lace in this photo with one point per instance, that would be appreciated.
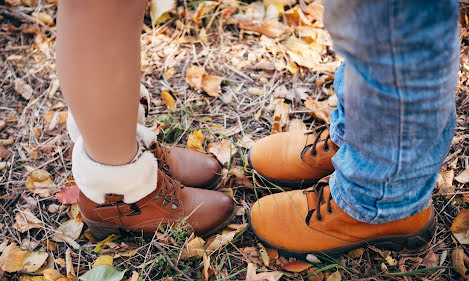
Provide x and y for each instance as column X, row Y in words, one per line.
column 169, row 188
column 161, row 153
column 319, row 190
column 318, row 133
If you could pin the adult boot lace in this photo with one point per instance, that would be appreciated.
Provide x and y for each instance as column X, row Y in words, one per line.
column 161, row 153
column 319, row 190
column 318, row 133
column 169, row 188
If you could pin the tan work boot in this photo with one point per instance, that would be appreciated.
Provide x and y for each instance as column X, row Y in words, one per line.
column 206, row 211
column 303, row 222
column 294, row 159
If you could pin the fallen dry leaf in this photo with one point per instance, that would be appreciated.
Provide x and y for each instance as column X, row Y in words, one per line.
column 461, row 222
column 22, row 88
column 26, row 220
column 445, row 182
column 39, row 182
column 272, row 28
column 296, row 125
column 34, row 260
column 168, row 100
column 69, row 194
column 391, row 261
column 195, row 247
column 103, row 260
column 68, row 232
column 52, row 274
column 319, row 109
column 356, row 253
column 194, row 76
column 226, row 236
column 212, row 85
column 4, row 152
column 44, row 18
column 159, row 10
column 430, row 260
column 463, row 177
column 460, row 262
column 281, row 114
column 315, row 11
column 334, row 277
column 58, row 117
column 135, row 276
column 207, row 270
column 223, row 150
column 195, row 141
column 12, row 258
column 297, row 266
column 304, row 54
column 246, row 141
column 264, row 254
column 251, row 274
column 202, row 9
column 295, row 16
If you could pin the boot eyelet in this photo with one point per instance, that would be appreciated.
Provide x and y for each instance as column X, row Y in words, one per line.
column 314, row 153
column 167, row 199
column 330, row 212
column 161, row 193
column 325, row 148
column 176, row 203
column 319, row 218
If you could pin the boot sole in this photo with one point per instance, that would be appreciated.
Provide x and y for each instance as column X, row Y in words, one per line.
column 101, row 231
column 294, row 184
column 391, row 242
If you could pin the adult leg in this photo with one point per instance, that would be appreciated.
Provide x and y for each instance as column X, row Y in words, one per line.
column 397, row 124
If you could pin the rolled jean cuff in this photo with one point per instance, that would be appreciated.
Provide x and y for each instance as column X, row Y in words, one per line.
column 372, row 216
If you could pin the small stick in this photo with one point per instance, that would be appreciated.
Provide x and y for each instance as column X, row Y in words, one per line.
column 171, row 264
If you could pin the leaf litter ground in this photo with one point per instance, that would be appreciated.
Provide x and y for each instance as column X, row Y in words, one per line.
column 214, row 87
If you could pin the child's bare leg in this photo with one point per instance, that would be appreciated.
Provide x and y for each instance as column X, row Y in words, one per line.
column 98, row 63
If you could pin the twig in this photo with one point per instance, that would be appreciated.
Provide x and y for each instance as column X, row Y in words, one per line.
column 170, row 262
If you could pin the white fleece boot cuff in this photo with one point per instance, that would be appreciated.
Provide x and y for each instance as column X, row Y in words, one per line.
column 72, row 127
column 134, row 181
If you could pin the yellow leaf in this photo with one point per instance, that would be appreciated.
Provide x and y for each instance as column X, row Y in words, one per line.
column 293, row 68
column 334, row 277
column 12, row 258
column 461, row 222
column 315, row 11
column 227, row 236
column 207, row 270
column 194, row 76
column 272, row 28
column 169, row 73
column 203, row 8
column 212, row 85
column 281, row 116
column 52, row 275
column 34, row 260
column 103, row 260
column 319, row 109
column 102, row 245
column 51, row 115
column 33, row 278
column 296, row 125
column 304, row 54
column 277, row 3
column 295, row 16
column 223, row 150
column 159, row 10
column 44, row 18
column 168, row 100
column 195, row 141
column 195, row 247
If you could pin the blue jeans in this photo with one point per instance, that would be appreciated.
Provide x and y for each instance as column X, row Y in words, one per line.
column 396, row 114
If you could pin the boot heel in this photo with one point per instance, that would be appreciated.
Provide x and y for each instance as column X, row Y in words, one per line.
column 101, row 231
